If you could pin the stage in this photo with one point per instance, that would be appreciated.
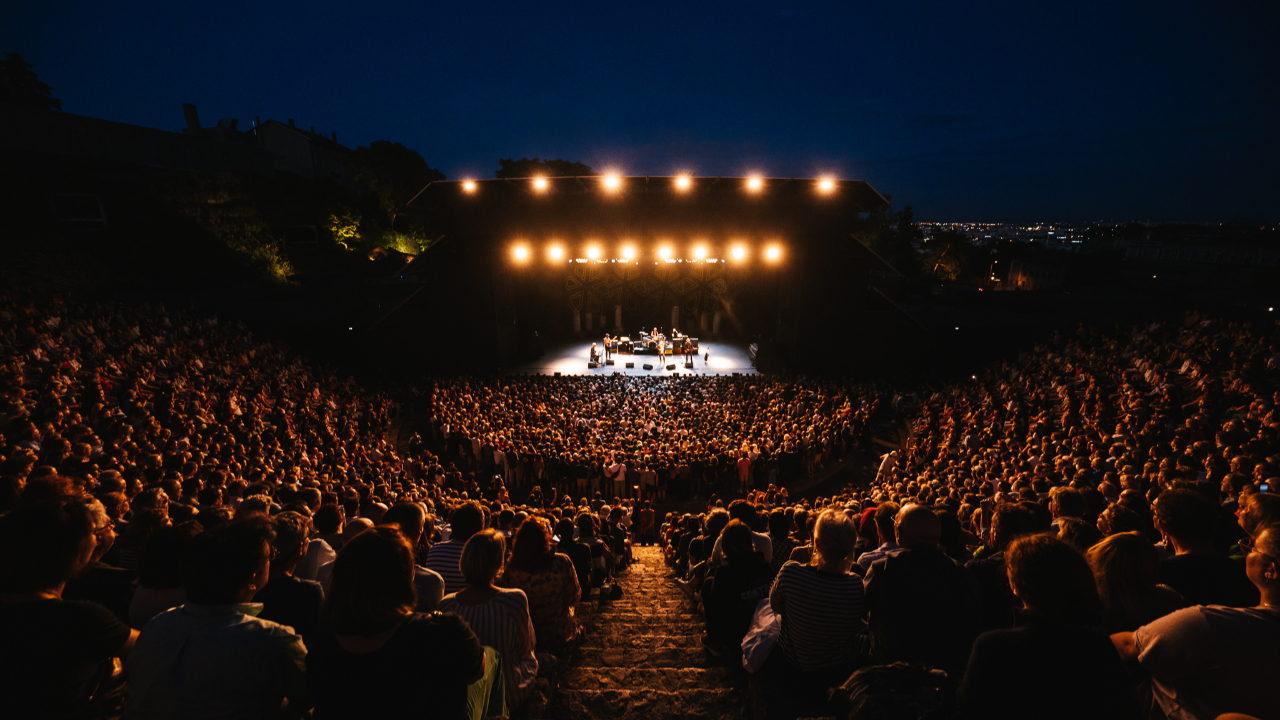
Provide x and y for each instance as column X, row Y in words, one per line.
column 571, row 359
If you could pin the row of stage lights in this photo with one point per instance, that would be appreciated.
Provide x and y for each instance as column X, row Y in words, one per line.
column 522, row 253
column 613, row 182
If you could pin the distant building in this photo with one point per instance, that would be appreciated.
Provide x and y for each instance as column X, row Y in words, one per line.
column 304, row 153
column 1036, row 275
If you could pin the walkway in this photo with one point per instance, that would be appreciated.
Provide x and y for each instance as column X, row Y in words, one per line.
column 643, row 658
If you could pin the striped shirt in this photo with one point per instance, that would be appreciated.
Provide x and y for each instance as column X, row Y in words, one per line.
column 503, row 623
column 821, row 615
column 445, row 558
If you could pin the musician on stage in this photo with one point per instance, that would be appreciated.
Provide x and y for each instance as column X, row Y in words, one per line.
column 607, row 353
column 688, row 350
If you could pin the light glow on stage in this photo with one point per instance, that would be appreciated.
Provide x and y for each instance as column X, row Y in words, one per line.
column 556, row 252
column 739, row 253
column 700, row 252
column 774, row 253
column 593, row 252
column 628, row 252
column 664, row 252
column 521, row 253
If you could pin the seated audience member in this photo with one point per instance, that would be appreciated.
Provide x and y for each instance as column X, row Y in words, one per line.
column 319, row 552
column 922, row 606
column 548, row 581
column 377, row 658
column 601, row 555
column 1256, row 511
column 1126, row 569
column 443, row 557
column 1198, row 572
column 352, row 529
column 160, row 573
column 110, row 587
column 328, row 521
column 576, row 551
column 884, row 522
column 212, row 658
column 286, row 599
column 821, row 605
column 1079, row 534
column 499, row 617
column 1208, row 661
column 744, row 511
column 1054, row 664
column 898, row 691
column 732, row 591
column 1009, row 521
column 412, row 519
column 56, row 652
column 780, row 539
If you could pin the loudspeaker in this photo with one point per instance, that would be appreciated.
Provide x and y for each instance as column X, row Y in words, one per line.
column 672, row 366
column 688, row 366
column 557, row 374
column 737, row 374
column 647, row 366
column 592, row 365
column 609, row 361
column 631, row 365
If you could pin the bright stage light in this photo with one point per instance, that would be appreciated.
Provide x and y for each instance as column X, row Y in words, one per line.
column 700, row 252
column 774, row 253
column 755, row 183
column 683, row 182
column 612, row 181
column 539, row 183
column 628, row 252
column 593, row 252
column 826, row 185
column 469, row 186
column 739, row 253
column 664, row 253
column 556, row 252
column 521, row 252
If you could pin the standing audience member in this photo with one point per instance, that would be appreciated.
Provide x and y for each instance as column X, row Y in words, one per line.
column 1208, row 661
column 212, row 657
column 499, row 617
column 56, row 652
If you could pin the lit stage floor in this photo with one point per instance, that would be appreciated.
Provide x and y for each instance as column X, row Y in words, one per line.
column 725, row 359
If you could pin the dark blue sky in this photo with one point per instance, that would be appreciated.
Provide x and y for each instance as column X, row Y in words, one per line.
column 1079, row 110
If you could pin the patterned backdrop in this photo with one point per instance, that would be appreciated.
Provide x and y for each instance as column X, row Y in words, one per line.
column 646, row 290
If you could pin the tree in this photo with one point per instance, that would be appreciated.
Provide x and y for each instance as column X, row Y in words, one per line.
column 390, row 174
column 524, row 167
column 20, row 86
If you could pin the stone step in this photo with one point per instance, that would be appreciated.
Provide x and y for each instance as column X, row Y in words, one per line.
column 630, row 678
column 720, row 703
column 645, row 657
column 620, row 640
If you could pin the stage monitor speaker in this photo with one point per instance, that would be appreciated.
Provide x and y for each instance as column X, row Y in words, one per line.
column 688, row 366
column 672, row 366
column 609, row 361
column 631, row 365
column 592, row 365
column 737, row 374
column 557, row 374
column 647, row 366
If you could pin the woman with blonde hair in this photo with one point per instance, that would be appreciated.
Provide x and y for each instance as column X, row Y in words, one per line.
column 821, row 605
column 499, row 617
column 1126, row 570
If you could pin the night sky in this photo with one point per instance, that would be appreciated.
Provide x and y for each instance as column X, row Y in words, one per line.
column 967, row 111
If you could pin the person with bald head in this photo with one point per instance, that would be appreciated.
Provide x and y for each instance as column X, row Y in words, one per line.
column 922, row 606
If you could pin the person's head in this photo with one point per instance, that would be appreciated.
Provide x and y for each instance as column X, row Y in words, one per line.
column 409, row 517
column 1258, row 510
column 1080, row 534
column 716, row 522
column 886, row 512
column 742, row 510
column 1263, row 562
column 467, row 520
column 49, row 487
column 482, row 557
column 44, row 544
column 1118, row 519
column 1051, row 578
column 254, row 506
column 228, row 564
column 564, row 529
column 1067, row 502
column 531, row 549
column 292, row 531
column 372, row 589
column 834, row 538
column 586, row 525
column 896, row 691
column 328, row 519
column 779, row 524
column 161, row 563
column 1126, row 569
column 917, row 526
column 736, row 540
column 1186, row 516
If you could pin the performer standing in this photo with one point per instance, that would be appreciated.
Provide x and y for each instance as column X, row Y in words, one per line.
column 688, row 350
column 607, row 353
column 662, row 352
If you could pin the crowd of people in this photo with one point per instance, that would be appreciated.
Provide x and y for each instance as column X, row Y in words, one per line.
column 1089, row 530
column 195, row 523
